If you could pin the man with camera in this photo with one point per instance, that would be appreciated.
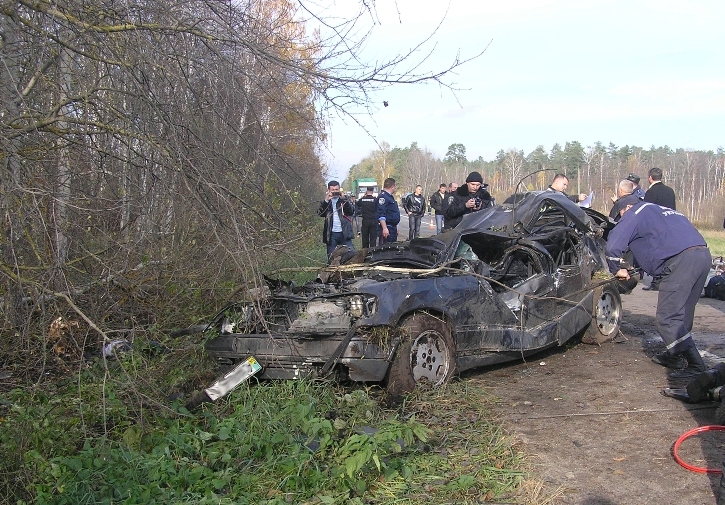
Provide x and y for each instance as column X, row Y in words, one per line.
column 338, row 213
column 469, row 198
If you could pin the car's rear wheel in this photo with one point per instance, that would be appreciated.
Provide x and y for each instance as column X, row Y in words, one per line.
column 606, row 315
column 425, row 355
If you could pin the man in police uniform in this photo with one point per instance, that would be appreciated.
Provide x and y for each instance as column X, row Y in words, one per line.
column 388, row 213
column 637, row 190
column 664, row 243
column 368, row 205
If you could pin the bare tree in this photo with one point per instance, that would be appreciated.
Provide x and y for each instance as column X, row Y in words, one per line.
column 166, row 143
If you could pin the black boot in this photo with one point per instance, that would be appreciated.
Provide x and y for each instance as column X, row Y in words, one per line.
column 695, row 366
column 674, row 361
column 699, row 388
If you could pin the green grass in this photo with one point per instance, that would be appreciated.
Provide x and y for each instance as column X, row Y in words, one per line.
column 715, row 241
column 266, row 443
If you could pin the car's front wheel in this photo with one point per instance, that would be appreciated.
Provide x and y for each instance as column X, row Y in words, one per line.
column 425, row 355
column 606, row 315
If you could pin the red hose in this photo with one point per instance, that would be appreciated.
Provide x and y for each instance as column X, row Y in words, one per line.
column 687, row 435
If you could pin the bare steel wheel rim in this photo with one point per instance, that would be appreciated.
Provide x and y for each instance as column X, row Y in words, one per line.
column 607, row 314
column 430, row 358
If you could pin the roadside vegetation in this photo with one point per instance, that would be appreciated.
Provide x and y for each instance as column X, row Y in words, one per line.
column 715, row 241
column 81, row 428
column 116, row 431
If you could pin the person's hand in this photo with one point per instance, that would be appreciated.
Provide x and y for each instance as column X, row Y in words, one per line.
column 582, row 197
column 386, row 232
column 471, row 204
column 622, row 273
column 328, row 196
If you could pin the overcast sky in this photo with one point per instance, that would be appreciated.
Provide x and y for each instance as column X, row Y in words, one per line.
column 637, row 72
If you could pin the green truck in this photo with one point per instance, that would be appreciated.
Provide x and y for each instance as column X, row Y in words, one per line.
column 360, row 186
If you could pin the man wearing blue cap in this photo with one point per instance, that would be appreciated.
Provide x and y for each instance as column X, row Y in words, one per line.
column 468, row 198
column 637, row 191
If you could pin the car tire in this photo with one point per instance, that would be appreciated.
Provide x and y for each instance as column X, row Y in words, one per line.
column 426, row 355
column 606, row 315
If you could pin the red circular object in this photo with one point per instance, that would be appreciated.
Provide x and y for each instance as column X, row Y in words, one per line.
column 687, row 435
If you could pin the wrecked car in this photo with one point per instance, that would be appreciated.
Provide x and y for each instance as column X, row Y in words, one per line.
column 507, row 282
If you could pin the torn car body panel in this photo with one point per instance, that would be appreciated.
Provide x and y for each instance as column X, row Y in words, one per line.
column 507, row 282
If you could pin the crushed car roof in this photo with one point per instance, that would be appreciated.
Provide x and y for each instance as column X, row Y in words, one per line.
column 510, row 220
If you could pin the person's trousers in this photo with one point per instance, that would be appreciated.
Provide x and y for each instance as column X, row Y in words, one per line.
column 681, row 284
column 439, row 223
column 392, row 237
column 369, row 233
column 338, row 238
column 414, row 226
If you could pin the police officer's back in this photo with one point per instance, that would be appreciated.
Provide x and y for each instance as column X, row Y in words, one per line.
column 388, row 213
column 368, row 205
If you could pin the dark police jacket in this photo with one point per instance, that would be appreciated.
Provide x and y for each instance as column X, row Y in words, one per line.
column 456, row 208
column 654, row 234
column 388, row 208
column 344, row 210
column 368, row 207
column 660, row 194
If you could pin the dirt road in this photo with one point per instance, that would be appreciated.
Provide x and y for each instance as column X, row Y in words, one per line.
column 595, row 424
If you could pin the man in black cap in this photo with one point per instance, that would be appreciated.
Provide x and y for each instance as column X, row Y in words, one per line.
column 637, row 191
column 469, row 198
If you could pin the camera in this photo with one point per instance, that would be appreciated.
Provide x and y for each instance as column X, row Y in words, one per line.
column 336, row 193
column 477, row 200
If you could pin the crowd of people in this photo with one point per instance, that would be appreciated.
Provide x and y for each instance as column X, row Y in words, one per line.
column 380, row 214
